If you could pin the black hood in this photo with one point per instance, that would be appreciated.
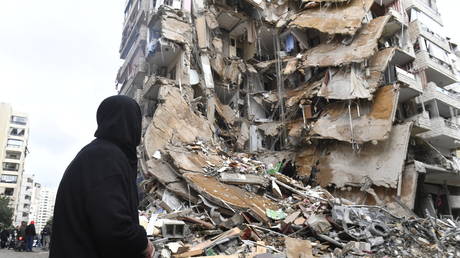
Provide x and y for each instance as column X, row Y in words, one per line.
column 119, row 120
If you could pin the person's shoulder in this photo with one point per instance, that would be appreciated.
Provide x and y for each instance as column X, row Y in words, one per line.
column 100, row 147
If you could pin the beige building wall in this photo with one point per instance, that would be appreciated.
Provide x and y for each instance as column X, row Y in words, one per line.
column 14, row 135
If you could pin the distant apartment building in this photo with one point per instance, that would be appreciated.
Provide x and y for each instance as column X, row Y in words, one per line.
column 28, row 197
column 45, row 207
column 14, row 135
column 34, row 207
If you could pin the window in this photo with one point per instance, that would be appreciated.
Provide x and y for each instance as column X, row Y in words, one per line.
column 13, row 155
column 25, row 214
column 10, row 179
column 13, row 143
column 8, row 166
column 26, row 206
column 19, row 120
column 17, row 131
column 30, row 180
column 28, row 197
column 9, row 191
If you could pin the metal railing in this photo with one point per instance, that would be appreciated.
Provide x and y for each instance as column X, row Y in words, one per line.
column 451, row 124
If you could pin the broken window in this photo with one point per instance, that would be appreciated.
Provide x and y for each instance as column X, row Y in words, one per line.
column 9, row 166
column 13, row 155
column 9, row 179
column 17, row 131
column 9, row 191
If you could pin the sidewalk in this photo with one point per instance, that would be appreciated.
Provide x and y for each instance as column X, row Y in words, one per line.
column 37, row 253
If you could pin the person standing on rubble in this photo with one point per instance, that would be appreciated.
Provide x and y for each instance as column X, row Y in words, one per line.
column 96, row 214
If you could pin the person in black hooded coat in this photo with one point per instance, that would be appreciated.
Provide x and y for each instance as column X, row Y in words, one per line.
column 96, row 214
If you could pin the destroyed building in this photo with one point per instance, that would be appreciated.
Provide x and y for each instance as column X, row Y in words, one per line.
column 354, row 96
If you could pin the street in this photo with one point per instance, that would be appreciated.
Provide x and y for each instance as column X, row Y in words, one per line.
column 12, row 254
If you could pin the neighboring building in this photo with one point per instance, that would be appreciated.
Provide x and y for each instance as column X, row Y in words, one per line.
column 28, row 200
column 359, row 90
column 34, row 207
column 437, row 69
column 132, row 49
column 14, row 136
column 46, row 207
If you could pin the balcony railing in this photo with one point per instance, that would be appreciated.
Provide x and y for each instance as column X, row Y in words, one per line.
column 434, row 14
column 427, row 60
column 451, row 124
column 407, row 78
column 421, row 120
column 454, row 96
column 434, row 92
column 441, row 126
column 13, row 146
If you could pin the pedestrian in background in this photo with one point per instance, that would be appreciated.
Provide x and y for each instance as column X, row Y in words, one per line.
column 4, row 234
column 30, row 235
column 46, row 233
column 96, row 211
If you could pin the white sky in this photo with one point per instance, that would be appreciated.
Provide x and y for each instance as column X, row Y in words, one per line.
column 58, row 61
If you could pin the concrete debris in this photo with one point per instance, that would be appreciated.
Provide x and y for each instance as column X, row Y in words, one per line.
column 362, row 47
column 370, row 121
column 289, row 129
column 343, row 17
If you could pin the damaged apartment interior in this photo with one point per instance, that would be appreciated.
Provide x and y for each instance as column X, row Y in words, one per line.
column 274, row 120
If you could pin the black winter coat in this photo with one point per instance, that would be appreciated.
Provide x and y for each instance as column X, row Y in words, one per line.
column 96, row 214
column 30, row 230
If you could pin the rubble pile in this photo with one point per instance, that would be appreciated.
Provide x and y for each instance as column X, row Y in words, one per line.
column 253, row 210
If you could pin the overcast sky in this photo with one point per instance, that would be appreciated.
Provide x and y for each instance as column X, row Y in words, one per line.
column 58, row 61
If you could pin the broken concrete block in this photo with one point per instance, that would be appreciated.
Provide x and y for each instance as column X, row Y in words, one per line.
column 319, row 223
column 238, row 179
column 173, row 229
column 296, row 248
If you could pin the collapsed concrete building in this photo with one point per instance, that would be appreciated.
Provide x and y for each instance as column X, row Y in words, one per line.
column 346, row 94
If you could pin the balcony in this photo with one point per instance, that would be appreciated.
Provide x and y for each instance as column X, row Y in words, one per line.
column 417, row 28
column 449, row 98
column 443, row 133
column 137, row 34
column 153, row 85
column 134, row 79
column 454, row 200
column 420, row 5
column 165, row 23
column 398, row 16
column 422, row 123
column 436, row 70
column 410, row 87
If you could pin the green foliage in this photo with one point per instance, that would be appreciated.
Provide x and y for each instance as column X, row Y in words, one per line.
column 50, row 222
column 6, row 212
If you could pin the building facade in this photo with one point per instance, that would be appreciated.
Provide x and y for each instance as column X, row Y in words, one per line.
column 27, row 198
column 35, row 203
column 14, row 135
column 45, row 207
column 360, row 90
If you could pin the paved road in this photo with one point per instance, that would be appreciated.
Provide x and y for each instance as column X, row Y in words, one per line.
column 12, row 254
